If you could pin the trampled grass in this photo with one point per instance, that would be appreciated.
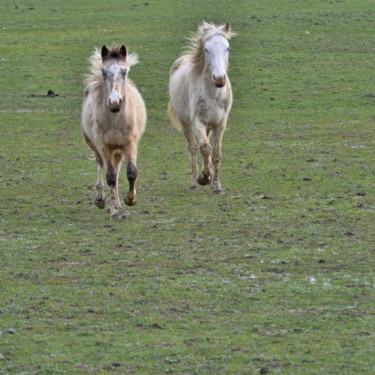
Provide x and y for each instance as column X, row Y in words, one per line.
column 274, row 277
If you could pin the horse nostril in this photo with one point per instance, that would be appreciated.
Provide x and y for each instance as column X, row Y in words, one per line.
column 219, row 81
column 221, row 78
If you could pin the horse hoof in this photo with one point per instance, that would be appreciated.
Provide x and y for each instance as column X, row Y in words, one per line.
column 204, row 179
column 100, row 203
column 130, row 202
column 219, row 191
column 116, row 216
column 123, row 214
column 193, row 187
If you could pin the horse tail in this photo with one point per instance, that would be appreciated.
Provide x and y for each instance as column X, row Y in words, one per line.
column 173, row 116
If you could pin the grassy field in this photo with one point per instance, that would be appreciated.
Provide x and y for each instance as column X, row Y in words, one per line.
column 275, row 277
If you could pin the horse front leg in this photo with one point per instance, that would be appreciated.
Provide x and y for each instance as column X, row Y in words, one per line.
column 112, row 181
column 100, row 195
column 132, row 174
column 192, row 149
column 200, row 131
column 216, row 157
column 113, row 170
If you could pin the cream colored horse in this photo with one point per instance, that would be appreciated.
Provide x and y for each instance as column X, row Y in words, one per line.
column 201, row 98
column 113, row 121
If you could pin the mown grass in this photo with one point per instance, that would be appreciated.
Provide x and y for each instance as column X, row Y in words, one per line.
column 274, row 277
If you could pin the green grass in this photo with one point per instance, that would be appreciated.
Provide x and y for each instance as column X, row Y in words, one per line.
column 274, row 277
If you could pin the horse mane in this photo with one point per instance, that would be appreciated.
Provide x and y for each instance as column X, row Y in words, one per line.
column 95, row 78
column 195, row 51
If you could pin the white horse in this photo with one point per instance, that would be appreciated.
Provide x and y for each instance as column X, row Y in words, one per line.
column 201, row 98
column 113, row 121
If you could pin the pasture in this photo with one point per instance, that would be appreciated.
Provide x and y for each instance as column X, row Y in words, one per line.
column 274, row 277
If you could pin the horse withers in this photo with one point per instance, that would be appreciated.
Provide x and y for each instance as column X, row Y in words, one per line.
column 113, row 121
column 201, row 99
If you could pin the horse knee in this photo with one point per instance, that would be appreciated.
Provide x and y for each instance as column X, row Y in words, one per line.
column 111, row 178
column 205, row 148
column 192, row 149
column 216, row 159
column 132, row 172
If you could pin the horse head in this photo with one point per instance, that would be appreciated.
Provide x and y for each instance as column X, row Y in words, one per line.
column 114, row 70
column 216, row 50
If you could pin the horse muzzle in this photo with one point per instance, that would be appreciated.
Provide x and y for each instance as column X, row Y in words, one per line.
column 219, row 82
column 115, row 106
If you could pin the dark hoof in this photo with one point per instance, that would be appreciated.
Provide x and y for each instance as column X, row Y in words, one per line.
column 130, row 202
column 203, row 179
column 100, row 203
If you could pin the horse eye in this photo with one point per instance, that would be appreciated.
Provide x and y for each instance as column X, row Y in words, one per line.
column 123, row 73
column 104, row 74
column 228, row 49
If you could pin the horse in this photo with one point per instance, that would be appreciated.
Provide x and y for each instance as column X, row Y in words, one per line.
column 201, row 98
column 113, row 121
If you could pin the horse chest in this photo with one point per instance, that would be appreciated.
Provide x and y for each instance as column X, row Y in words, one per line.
column 212, row 110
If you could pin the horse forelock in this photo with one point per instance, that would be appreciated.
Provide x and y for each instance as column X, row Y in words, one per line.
column 114, row 52
column 196, row 49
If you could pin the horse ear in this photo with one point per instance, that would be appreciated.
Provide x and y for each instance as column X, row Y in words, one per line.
column 123, row 51
column 206, row 25
column 104, row 52
column 227, row 27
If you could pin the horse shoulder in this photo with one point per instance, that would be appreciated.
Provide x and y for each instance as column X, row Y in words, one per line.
column 88, row 115
column 181, row 61
column 226, row 102
column 136, row 109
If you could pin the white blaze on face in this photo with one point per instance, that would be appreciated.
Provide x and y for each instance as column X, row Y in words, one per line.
column 114, row 78
column 217, row 50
